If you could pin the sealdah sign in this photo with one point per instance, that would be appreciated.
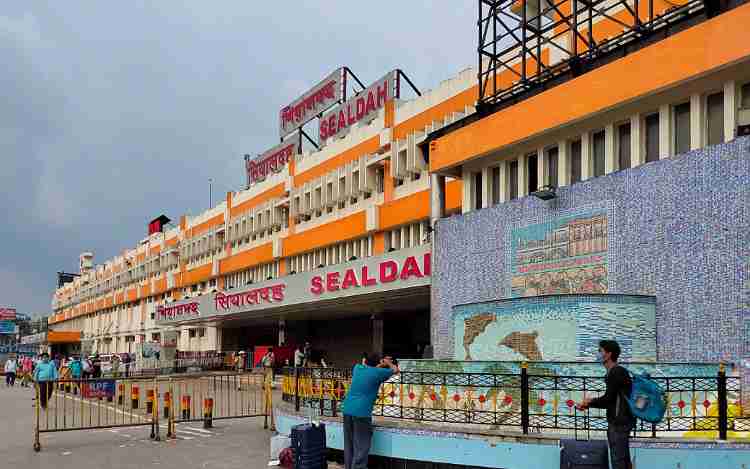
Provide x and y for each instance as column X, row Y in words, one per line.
column 386, row 272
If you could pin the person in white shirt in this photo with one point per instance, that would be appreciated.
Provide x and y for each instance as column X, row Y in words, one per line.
column 299, row 357
column 11, row 366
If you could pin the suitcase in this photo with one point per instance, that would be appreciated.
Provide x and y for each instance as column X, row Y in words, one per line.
column 583, row 454
column 309, row 445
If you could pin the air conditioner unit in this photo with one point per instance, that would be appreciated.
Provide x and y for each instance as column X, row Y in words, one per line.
column 331, row 189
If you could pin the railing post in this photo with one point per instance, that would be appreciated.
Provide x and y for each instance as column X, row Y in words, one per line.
column 525, row 398
column 723, row 404
column 296, row 389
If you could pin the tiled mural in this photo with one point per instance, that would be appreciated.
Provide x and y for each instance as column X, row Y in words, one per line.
column 555, row 328
column 677, row 229
column 567, row 254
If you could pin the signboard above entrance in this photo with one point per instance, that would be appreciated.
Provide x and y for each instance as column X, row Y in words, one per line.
column 406, row 268
column 308, row 106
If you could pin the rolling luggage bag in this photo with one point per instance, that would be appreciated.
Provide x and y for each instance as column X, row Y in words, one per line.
column 583, row 454
column 309, row 445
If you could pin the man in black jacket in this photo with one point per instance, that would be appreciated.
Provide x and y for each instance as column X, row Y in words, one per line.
column 619, row 418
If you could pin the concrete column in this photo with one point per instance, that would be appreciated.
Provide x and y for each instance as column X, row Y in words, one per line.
column 468, row 186
column 666, row 147
column 437, row 197
column 563, row 163
column 504, row 188
column 587, row 163
column 541, row 168
column 730, row 110
column 377, row 334
column 697, row 120
column 486, row 187
column 637, row 136
column 523, row 187
column 611, row 162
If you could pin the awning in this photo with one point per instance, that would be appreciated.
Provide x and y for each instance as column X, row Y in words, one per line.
column 63, row 337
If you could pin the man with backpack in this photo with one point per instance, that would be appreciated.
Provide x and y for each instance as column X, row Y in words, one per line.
column 620, row 419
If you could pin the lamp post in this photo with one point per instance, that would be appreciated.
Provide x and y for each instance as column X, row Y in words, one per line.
column 210, row 193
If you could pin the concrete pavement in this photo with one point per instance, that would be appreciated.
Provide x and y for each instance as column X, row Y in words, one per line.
column 235, row 443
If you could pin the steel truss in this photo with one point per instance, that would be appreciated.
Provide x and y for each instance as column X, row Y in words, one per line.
column 532, row 41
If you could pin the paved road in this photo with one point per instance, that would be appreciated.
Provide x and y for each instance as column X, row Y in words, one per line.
column 236, row 443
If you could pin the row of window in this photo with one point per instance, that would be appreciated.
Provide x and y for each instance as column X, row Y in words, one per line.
column 408, row 236
column 681, row 130
column 331, row 255
column 254, row 274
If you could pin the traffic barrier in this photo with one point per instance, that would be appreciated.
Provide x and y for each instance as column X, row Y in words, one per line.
column 201, row 397
column 134, row 394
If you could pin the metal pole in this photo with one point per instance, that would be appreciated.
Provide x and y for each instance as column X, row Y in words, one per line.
column 722, row 398
column 525, row 398
column 296, row 389
column 37, row 444
column 210, row 193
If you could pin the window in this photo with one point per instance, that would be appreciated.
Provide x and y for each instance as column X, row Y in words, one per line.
column 155, row 337
column 477, row 179
column 715, row 118
column 623, row 146
column 531, row 172
column 682, row 128
column 575, row 162
column 379, row 179
column 745, row 99
column 513, row 179
column 202, row 332
column 495, row 185
column 598, row 152
column 191, row 333
column 652, row 137
column 552, row 155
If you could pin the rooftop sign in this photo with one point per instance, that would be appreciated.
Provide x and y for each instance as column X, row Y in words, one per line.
column 273, row 160
column 308, row 106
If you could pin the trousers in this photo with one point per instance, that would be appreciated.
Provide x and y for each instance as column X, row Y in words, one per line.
column 619, row 446
column 357, row 440
column 45, row 392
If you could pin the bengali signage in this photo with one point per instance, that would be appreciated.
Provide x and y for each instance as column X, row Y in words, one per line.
column 308, row 106
column 360, row 108
column 397, row 270
column 181, row 311
column 272, row 161
column 7, row 313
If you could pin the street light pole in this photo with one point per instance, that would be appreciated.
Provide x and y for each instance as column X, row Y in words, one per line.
column 210, row 193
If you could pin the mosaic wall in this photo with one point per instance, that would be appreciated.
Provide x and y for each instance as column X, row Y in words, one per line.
column 564, row 255
column 555, row 328
column 677, row 229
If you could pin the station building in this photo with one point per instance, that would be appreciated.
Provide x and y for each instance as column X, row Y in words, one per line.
column 602, row 159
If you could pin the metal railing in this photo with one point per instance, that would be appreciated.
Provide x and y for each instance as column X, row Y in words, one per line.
column 699, row 407
column 88, row 404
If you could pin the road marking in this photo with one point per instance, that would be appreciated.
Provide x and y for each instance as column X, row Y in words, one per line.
column 199, row 430
column 182, row 430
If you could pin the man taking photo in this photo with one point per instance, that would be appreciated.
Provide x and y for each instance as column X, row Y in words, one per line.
column 366, row 380
column 619, row 418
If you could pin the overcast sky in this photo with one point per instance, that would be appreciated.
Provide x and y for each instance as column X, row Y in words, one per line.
column 115, row 112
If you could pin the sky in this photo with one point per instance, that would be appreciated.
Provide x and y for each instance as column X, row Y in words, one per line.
column 112, row 113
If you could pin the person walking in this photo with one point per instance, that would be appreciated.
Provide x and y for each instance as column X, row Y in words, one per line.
column 366, row 381
column 620, row 420
column 45, row 375
column 27, row 367
column 268, row 362
column 11, row 368
column 76, row 368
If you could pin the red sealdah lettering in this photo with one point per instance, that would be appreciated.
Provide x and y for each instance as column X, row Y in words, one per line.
column 388, row 271
column 332, row 281
column 316, row 285
column 350, row 280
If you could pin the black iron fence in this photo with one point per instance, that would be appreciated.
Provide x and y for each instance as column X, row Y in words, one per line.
column 707, row 407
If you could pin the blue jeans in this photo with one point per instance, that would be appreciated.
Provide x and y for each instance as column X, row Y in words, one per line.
column 357, row 440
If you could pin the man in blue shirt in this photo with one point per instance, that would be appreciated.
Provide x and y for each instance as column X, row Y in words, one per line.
column 45, row 374
column 366, row 380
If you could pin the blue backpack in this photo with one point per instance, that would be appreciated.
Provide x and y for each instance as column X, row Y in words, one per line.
column 647, row 400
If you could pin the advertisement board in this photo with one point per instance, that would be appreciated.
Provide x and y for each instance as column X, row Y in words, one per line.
column 7, row 327
column 7, row 314
column 99, row 389
column 308, row 106
column 360, row 108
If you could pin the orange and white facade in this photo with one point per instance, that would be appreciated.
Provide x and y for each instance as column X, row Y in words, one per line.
column 360, row 201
